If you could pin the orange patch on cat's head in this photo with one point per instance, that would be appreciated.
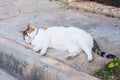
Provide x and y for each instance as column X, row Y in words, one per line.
column 44, row 28
column 30, row 29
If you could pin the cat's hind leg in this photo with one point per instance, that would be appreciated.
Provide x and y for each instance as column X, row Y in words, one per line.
column 87, row 48
column 74, row 51
column 88, row 51
column 89, row 54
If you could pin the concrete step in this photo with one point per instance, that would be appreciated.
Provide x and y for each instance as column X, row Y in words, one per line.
column 6, row 76
column 26, row 65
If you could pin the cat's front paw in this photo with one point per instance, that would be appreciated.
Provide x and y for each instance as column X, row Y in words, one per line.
column 90, row 60
column 36, row 49
column 43, row 53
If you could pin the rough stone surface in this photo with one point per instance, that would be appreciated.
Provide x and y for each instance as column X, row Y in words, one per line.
column 95, row 7
column 6, row 76
column 15, row 14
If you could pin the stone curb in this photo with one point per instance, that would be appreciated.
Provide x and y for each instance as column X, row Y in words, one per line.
column 96, row 8
column 26, row 65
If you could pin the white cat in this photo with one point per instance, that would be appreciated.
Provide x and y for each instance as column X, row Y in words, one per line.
column 70, row 39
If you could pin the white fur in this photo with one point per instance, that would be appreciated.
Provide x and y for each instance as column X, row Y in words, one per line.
column 69, row 39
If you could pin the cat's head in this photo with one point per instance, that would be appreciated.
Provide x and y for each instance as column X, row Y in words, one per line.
column 29, row 33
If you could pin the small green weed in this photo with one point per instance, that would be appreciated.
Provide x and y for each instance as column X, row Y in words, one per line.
column 110, row 70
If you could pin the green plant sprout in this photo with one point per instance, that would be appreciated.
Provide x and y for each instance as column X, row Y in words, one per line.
column 109, row 69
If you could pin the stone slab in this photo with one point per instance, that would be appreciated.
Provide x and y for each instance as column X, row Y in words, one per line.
column 5, row 76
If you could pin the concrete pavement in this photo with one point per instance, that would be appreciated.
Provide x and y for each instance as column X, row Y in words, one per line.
column 15, row 14
column 6, row 76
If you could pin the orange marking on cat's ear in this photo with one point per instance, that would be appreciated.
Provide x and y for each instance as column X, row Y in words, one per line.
column 31, row 29
column 44, row 28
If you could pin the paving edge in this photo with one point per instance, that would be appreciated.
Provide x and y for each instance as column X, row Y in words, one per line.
column 26, row 65
column 96, row 8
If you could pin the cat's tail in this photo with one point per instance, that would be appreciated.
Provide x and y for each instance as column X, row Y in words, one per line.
column 97, row 50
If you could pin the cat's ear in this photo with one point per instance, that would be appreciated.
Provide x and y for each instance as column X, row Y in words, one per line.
column 29, row 26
